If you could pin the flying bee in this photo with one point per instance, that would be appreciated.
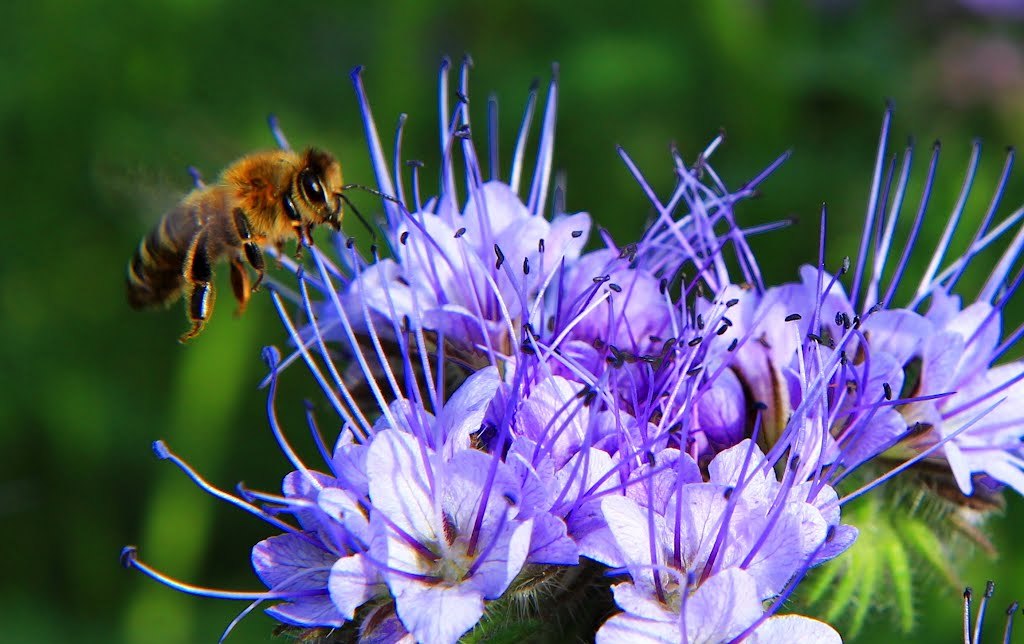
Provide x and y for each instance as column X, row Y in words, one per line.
column 265, row 198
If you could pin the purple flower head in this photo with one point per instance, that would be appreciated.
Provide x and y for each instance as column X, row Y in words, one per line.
column 468, row 270
column 738, row 539
column 515, row 412
column 447, row 533
column 937, row 360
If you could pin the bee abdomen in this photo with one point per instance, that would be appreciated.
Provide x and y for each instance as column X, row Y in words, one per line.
column 154, row 275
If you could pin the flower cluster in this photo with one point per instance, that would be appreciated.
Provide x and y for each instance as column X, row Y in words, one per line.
column 642, row 440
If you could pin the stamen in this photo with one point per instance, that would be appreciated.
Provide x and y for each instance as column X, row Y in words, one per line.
column 164, row 453
column 990, row 589
column 492, row 137
column 951, row 223
column 397, row 161
column 130, row 559
column 197, row 177
column 524, row 133
column 545, row 155
column 275, row 427
column 968, row 594
column 909, row 463
column 1011, row 612
column 380, row 166
column 916, row 227
column 278, row 133
column 873, row 204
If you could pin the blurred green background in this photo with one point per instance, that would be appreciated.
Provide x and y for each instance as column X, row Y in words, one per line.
column 104, row 104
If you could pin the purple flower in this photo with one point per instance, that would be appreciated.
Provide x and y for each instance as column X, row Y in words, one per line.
column 515, row 412
column 446, row 532
column 470, row 271
column 935, row 358
column 735, row 540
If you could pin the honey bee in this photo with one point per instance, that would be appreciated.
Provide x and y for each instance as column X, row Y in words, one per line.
column 265, row 198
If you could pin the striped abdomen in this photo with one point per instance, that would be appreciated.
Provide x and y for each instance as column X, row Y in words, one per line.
column 155, row 272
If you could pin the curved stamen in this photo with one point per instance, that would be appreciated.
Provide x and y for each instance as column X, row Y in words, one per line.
column 130, row 559
column 164, row 453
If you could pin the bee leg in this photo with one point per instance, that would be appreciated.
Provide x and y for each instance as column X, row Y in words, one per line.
column 280, row 253
column 253, row 255
column 298, row 248
column 240, row 284
column 198, row 274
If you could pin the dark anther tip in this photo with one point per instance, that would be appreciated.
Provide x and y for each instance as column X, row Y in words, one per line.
column 356, row 72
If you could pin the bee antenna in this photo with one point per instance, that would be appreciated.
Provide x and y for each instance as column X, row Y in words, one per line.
column 370, row 190
column 358, row 214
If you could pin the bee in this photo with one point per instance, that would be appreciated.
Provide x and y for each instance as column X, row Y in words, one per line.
column 265, row 198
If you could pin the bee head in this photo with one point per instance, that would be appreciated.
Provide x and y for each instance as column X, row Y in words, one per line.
column 317, row 186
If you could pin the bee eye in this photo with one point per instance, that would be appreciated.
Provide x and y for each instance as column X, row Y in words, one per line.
column 311, row 188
